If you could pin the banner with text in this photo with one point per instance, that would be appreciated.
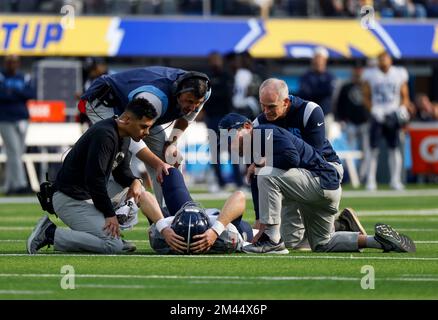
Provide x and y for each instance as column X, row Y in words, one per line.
column 165, row 37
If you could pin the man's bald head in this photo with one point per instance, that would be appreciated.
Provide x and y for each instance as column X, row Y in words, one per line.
column 274, row 98
column 274, row 86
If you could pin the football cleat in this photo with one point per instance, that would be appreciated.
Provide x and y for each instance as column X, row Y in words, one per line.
column 266, row 245
column 128, row 246
column 303, row 245
column 348, row 218
column 38, row 238
column 391, row 240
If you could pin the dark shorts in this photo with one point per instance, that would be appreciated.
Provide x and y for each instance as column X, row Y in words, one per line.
column 387, row 130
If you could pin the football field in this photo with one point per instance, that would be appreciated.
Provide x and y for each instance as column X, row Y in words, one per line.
column 298, row 275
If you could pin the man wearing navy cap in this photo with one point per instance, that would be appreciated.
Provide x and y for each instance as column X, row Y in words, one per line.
column 305, row 120
column 294, row 172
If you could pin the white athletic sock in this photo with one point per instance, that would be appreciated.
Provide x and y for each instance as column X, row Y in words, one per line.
column 273, row 232
column 372, row 169
column 395, row 166
column 373, row 243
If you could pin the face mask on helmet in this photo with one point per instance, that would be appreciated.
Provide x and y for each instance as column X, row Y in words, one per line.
column 190, row 221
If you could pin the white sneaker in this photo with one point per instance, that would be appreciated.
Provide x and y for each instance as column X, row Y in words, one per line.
column 371, row 187
column 213, row 188
column 397, row 186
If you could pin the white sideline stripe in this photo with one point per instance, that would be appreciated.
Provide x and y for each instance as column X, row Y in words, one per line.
column 416, row 230
column 361, row 213
column 15, row 200
column 345, row 194
column 225, row 195
column 214, row 256
column 25, row 291
column 418, row 275
column 409, row 212
column 110, row 286
column 14, row 228
column 177, row 277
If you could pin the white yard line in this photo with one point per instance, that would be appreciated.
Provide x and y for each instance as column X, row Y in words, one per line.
column 225, row 195
column 364, row 213
column 408, row 212
column 417, row 229
column 25, row 292
column 16, row 228
column 115, row 286
column 207, row 278
column 230, row 256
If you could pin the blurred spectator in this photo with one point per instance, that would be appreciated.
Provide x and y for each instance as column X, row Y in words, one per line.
column 403, row 9
column 240, row 8
column 332, row 8
column 432, row 8
column 351, row 110
column 95, row 7
column 318, row 85
column 219, row 105
column 425, row 110
column 93, row 69
column 297, row 7
column 246, row 85
column 353, row 7
column 15, row 90
column 263, row 8
column 190, row 7
column 386, row 95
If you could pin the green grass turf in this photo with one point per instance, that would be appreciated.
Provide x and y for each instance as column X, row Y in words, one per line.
column 299, row 275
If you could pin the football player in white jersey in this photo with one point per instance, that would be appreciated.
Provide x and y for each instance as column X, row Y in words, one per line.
column 386, row 95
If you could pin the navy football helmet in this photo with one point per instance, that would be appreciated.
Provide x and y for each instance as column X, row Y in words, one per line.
column 189, row 221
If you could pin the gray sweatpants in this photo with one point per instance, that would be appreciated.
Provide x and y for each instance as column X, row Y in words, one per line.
column 13, row 135
column 86, row 223
column 292, row 227
column 317, row 207
column 155, row 141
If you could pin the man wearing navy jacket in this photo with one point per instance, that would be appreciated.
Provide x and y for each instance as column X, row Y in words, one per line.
column 305, row 120
column 177, row 95
column 15, row 90
column 292, row 171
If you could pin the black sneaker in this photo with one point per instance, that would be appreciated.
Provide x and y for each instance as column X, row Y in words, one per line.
column 128, row 246
column 265, row 245
column 391, row 240
column 38, row 238
column 350, row 221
